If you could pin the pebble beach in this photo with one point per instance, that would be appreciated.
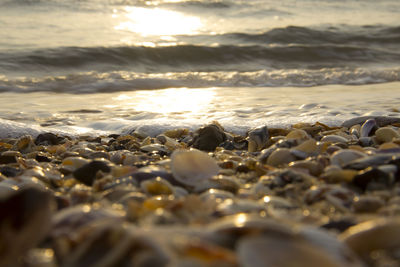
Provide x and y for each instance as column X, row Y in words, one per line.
column 191, row 133
column 305, row 195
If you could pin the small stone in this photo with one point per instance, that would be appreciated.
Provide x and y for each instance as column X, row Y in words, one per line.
column 313, row 167
column 339, row 175
column 388, row 145
column 24, row 144
column 371, row 161
column 368, row 128
column 41, row 157
column 386, row 134
column 87, row 173
column 334, row 139
column 373, row 236
column 46, row 139
column 208, row 137
column 9, row 171
column 257, row 139
column 367, row 204
column 280, row 156
column 344, row 156
column 6, row 159
column 191, row 167
column 298, row 134
column 372, row 178
column 308, row 146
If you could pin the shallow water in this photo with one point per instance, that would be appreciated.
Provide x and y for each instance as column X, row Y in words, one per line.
column 236, row 109
column 94, row 65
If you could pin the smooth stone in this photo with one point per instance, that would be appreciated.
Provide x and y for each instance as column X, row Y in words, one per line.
column 26, row 218
column 370, row 161
column 47, row 139
column 6, row 159
column 373, row 178
column 87, row 173
column 334, row 139
column 157, row 186
column 386, row 134
column 309, row 146
column 380, row 120
column 364, row 204
column 9, row 171
column 373, row 236
column 355, row 130
column 154, row 148
column 70, row 164
column 274, row 250
column 176, row 133
column 368, row 128
column 151, row 172
column 332, row 149
column 297, row 134
column 24, row 144
column 208, row 137
column 344, row 156
column 280, row 156
column 41, row 157
column 388, row 145
column 191, row 167
column 170, row 143
column 366, row 141
column 313, row 167
column 257, row 139
column 389, row 168
column 339, row 175
column 216, row 194
column 340, row 225
column 219, row 182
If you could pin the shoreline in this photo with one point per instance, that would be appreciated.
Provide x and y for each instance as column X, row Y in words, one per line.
column 237, row 109
column 325, row 195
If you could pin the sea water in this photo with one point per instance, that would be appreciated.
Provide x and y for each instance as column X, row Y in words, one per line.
column 110, row 66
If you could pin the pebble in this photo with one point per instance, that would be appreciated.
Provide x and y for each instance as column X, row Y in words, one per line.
column 191, row 167
column 345, row 156
column 280, row 157
column 208, row 137
column 334, row 139
column 386, row 134
column 87, row 173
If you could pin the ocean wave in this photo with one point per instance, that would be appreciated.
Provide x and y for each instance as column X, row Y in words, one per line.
column 193, row 58
column 94, row 82
column 367, row 35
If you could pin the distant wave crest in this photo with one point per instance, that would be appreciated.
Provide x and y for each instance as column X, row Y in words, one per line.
column 195, row 58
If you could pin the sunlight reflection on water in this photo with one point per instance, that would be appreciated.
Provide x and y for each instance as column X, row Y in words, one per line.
column 146, row 21
column 174, row 100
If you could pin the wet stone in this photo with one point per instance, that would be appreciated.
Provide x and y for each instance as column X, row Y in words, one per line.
column 372, row 178
column 25, row 221
column 6, row 159
column 40, row 157
column 87, row 173
column 367, row 204
column 339, row 225
column 365, row 162
column 9, row 171
column 368, row 128
column 208, row 137
column 48, row 139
